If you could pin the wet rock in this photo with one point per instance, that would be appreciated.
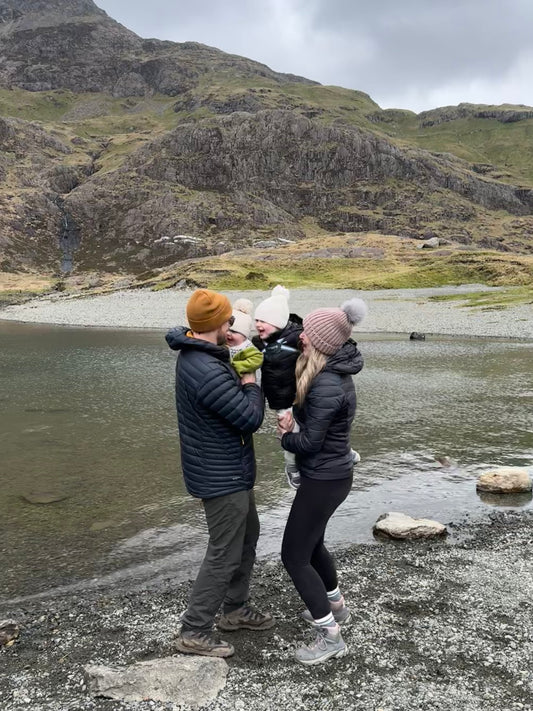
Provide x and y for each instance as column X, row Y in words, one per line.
column 44, row 497
column 9, row 631
column 398, row 525
column 416, row 336
column 502, row 500
column 191, row 681
column 506, row 480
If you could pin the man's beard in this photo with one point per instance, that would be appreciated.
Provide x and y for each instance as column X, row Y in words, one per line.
column 221, row 339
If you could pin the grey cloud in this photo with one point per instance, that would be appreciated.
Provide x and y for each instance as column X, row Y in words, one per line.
column 394, row 50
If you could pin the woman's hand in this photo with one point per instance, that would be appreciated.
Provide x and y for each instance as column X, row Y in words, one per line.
column 285, row 424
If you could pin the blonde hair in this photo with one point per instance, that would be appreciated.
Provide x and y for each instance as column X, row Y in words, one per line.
column 307, row 368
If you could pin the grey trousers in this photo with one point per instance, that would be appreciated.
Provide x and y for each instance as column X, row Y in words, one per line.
column 224, row 575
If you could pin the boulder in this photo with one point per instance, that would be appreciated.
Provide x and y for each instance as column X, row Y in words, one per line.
column 506, row 480
column 431, row 243
column 400, row 526
column 187, row 681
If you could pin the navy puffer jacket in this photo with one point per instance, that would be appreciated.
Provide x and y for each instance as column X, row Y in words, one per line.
column 322, row 446
column 216, row 418
column 280, row 353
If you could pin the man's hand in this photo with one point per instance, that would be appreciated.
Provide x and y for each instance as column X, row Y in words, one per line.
column 248, row 378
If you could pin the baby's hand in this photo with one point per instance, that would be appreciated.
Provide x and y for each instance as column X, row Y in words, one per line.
column 247, row 378
column 285, row 422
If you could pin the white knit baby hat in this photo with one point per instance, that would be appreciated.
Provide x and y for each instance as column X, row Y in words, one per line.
column 275, row 309
column 242, row 312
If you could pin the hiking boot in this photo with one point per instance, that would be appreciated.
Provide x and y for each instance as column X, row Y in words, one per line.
column 245, row 618
column 328, row 644
column 341, row 613
column 204, row 643
column 356, row 457
column 293, row 476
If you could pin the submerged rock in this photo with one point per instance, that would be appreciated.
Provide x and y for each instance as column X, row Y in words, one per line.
column 506, row 480
column 190, row 681
column 401, row 526
column 44, row 497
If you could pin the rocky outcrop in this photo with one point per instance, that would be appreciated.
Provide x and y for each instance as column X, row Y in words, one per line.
column 503, row 114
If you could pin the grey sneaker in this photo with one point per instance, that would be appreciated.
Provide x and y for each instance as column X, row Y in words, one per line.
column 328, row 643
column 293, row 477
column 341, row 613
column 246, row 618
column 356, row 457
column 204, row 643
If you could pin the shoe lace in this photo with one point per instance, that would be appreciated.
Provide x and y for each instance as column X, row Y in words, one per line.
column 320, row 640
column 250, row 613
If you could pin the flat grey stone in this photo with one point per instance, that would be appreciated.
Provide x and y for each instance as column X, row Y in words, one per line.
column 194, row 681
column 401, row 526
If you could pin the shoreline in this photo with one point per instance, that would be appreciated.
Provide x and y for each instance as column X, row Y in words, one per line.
column 397, row 311
column 435, row 625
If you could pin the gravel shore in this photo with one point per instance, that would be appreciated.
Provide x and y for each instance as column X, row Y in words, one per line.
column 392, row 311
column 436, row 627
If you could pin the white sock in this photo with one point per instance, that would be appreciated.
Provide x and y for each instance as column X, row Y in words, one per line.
column 327, row 621
column 334, row 595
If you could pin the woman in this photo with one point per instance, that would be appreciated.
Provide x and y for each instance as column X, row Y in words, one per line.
column 324, row 410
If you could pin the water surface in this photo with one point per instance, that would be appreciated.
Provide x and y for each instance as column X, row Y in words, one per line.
column 88, row 415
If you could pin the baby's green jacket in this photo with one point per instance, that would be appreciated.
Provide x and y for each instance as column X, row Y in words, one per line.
column 247, row 361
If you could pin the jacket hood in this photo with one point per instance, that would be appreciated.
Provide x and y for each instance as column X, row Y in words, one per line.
column 178, row 340
column 347, row 359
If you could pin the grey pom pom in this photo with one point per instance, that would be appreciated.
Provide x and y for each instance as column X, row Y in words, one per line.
column 355, row 309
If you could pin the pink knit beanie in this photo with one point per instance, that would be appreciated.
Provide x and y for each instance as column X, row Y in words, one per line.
column 329, row 328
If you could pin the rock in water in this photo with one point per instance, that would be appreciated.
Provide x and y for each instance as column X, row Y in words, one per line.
column 506, row 480
column 416, row 336
column 44, row 497
column 188, row 681
column 400, row 526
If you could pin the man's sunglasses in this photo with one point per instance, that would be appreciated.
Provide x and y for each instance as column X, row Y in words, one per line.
column 231, row 321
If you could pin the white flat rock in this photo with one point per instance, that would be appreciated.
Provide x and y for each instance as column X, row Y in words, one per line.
column 399, row 525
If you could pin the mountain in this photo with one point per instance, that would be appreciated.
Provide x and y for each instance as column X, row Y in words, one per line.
column 120, row 153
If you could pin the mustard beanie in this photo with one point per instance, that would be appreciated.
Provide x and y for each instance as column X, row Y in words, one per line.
column 207, row 310
column 329, row 328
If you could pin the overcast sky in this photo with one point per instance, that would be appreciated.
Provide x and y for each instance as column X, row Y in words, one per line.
column 410, row 54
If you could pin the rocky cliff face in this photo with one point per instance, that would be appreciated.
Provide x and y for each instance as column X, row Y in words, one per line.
column 261, row 163
column 72, row 44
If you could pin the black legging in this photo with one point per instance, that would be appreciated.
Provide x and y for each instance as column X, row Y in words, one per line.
column 303, row 552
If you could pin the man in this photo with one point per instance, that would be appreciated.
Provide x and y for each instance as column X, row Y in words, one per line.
column 217, row 414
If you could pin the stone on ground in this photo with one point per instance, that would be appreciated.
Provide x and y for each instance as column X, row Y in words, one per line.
column 398, row 525
column 193, row 681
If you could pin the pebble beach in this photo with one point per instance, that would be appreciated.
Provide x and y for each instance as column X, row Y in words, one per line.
column 390, row 311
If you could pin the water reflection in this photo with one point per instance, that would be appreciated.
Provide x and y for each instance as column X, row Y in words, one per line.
column 90, row 414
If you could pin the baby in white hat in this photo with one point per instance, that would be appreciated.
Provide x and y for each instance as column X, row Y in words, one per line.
column 245, row 357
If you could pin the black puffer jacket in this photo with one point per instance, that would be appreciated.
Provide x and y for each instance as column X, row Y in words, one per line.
column 322, row 446
column 280, row 353
column 216, row 418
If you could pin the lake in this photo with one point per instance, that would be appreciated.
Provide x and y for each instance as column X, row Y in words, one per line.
column 88, row 415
